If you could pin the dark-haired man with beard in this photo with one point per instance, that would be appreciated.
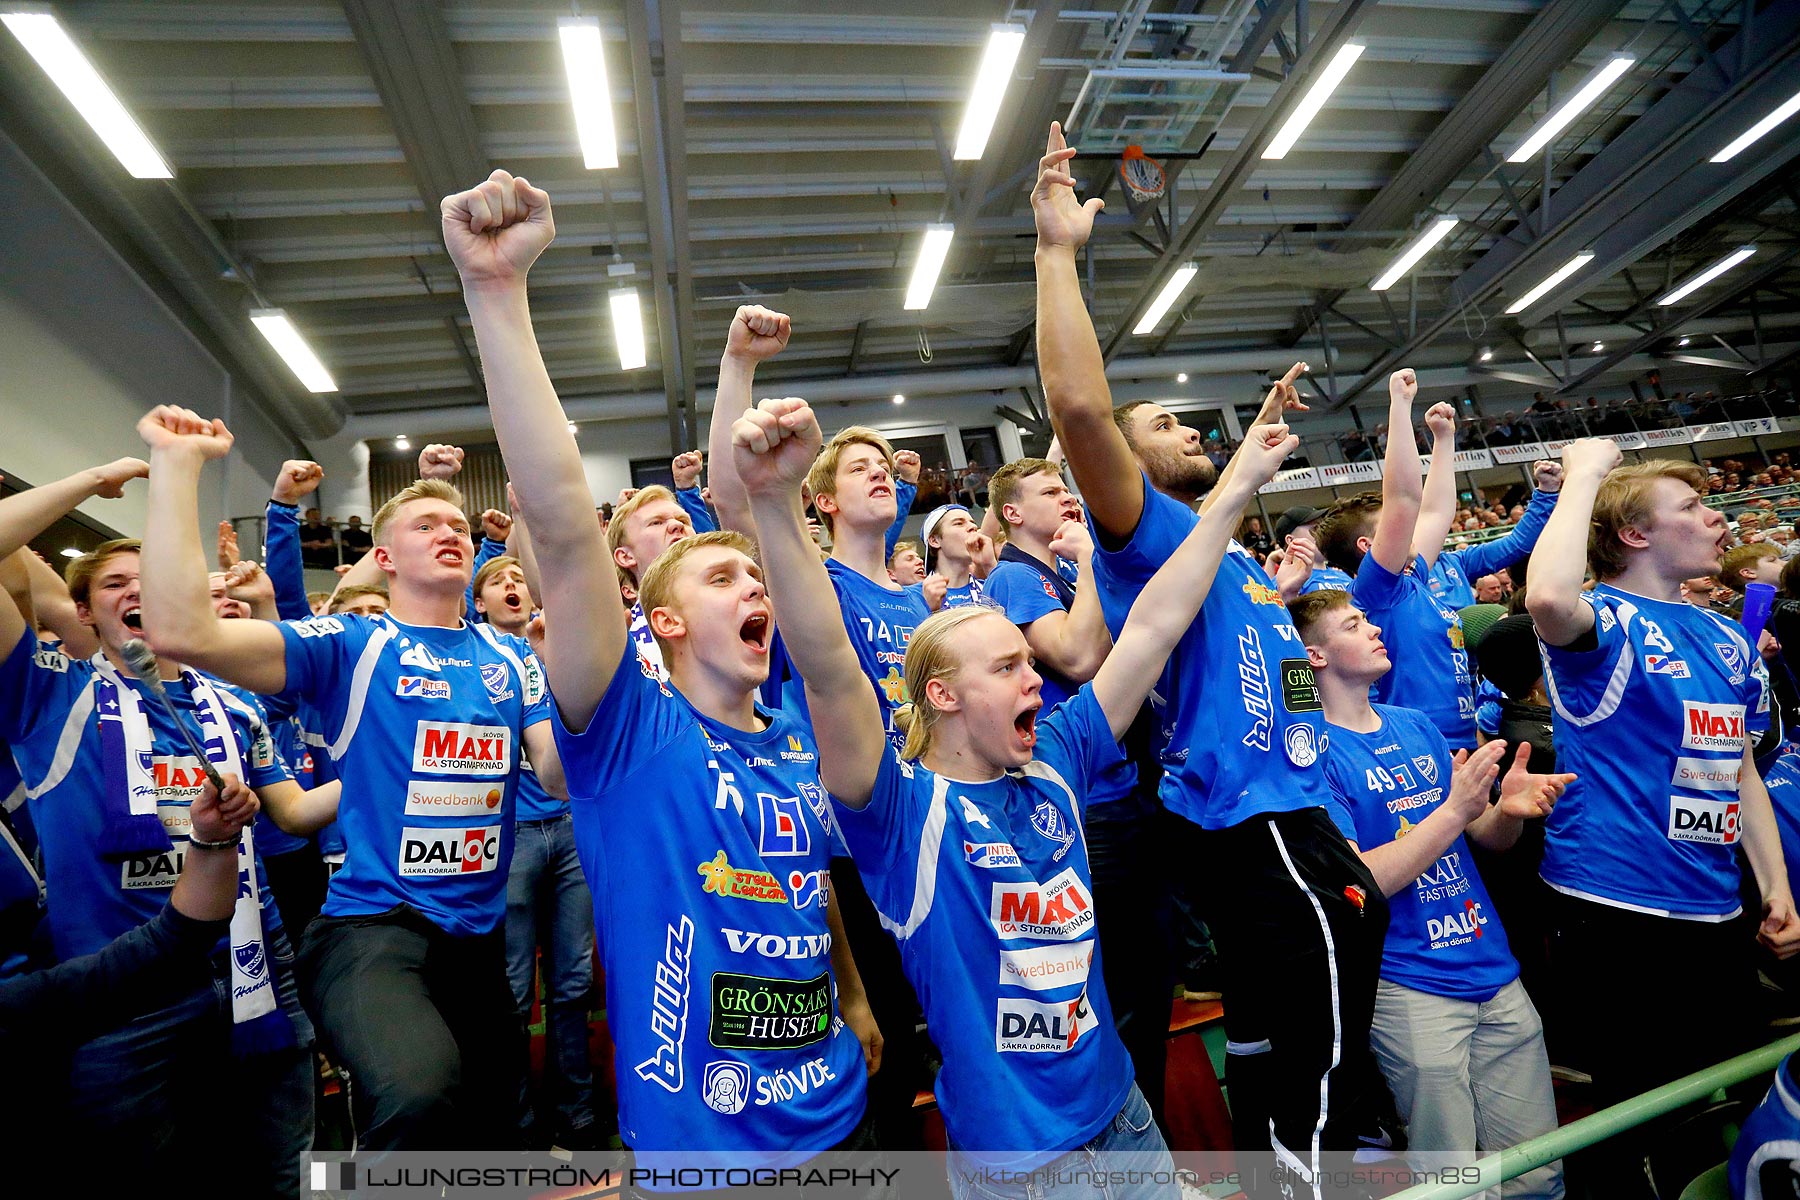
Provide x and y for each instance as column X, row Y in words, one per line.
column 1296, row 914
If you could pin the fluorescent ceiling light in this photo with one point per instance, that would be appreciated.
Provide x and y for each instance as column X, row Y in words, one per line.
column 1707, row 276
column 274, row 325
column 990, row 88
column 628, row 329
column 1599, row 347
column 1684, row 341
column 1418, row 248
column 931, row 261
column 71, row 552
column 1314, row 100
column 1550, row 281
column 1558, row 119
column 1172, row 290
column 584, row 60
column 45, row 40
column 1757, row 130
column 1487, row 355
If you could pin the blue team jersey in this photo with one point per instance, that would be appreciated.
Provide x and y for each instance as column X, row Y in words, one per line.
column 972, row 592
column 1442, row 937
column 1025, row 595
column 423, row 723
column 1425, row 643
column 1653, row 722
column 1765, row 1162
column 1782, row 777
column 1242, row 712
column 47, row 714
column 1325, row 577
column 880, row 621
column 705, row 849
column 987, row 889
column 1447, row 582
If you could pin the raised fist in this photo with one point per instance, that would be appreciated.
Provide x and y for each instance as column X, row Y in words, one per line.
column 496, row 230
column 1072, row 541
column 686, row 469
column 983, row 558
column 1595, row 456
column 907, row 465
column 298, row 478
column 495, row 525
column 1265, row 448
column 757, row 333
column 170, row 427
column 1440, row 419
column 1062, row 220
column 1403, row 385
column 773, row 445
column 1547, row 475
column 934, row 588
column 438, row 461
column 247, row 581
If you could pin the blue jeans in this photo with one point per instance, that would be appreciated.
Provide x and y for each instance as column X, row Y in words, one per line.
column 153, row 1092
column 547, row 903
column 1130, row 1142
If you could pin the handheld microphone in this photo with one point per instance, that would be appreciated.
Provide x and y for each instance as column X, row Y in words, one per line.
column 141, row 661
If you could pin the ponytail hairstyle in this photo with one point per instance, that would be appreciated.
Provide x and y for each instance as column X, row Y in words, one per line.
column 929, row 656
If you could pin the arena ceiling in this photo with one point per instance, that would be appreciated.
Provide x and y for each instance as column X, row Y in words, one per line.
column 794, row 153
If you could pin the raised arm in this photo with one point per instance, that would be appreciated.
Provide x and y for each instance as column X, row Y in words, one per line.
column 1075, row 642
column 495, row 527
column 55, row 608
column 685, row 470
column 1484, row 558
column 1437, row 507
column 1559, row 565
column 495, row 232
column 757, row 334
column 297, row 480
column 906, row 489
column 773, row 445
column 24, row 515
column 179, row 621
column 1400, row 486
column 1069, row 359
column 1169, row 602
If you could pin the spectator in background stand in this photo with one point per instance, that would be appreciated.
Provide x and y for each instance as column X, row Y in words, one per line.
column 1488, row 590
column 355, row 539
column 318, row 548
column 1255, row 538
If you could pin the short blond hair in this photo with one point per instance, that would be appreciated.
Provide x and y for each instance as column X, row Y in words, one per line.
column 419, row 489
column 1744, row 558
column 1624, row 500
column 615, row 529
column 929, row 656
column 821, row 480
column 658, row 588
column 80, row 574
column 1004, row 487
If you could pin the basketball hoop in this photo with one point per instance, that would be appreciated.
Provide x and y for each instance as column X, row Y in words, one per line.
column 1143, row 177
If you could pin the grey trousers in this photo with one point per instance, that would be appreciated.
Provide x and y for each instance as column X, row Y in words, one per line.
column 1467, row 1076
